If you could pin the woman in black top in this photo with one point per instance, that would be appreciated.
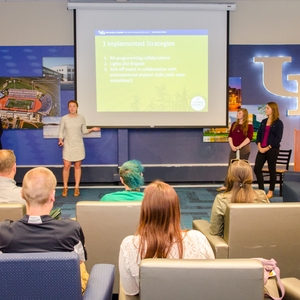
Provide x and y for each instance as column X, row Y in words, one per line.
column 268, row 140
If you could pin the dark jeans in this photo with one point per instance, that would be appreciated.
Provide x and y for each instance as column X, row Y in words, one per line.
column 271, row 157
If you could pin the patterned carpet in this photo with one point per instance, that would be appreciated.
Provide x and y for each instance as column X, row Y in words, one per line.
column 195, row 201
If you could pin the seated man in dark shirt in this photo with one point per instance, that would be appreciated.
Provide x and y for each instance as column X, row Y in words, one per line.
column 37, row 231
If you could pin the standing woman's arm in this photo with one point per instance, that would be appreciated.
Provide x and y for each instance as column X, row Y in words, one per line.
column 249, row 137
column 233, row 148
column 85, row 130
column 278, row 133
column 230, row 140
column 260, row 134
column 61, row 132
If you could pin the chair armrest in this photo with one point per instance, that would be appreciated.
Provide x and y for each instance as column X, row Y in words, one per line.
column 100, row 283
column 123, row 296
column 292, row 288
column 217, row 243
column 291, row 176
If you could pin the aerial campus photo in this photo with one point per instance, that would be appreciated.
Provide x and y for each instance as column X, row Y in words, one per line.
column 25, row 101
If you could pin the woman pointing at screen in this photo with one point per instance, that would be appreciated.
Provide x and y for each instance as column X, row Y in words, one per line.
column 71, row 128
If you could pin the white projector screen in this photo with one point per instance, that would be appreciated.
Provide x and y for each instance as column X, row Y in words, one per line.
column 152, row 64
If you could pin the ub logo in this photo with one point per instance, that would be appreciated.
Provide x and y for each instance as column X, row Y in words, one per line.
column 272, row 79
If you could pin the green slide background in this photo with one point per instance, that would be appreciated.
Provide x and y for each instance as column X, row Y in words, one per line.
column 163, row 91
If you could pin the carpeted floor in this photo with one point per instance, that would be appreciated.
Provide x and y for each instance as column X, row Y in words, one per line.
column 195, row 201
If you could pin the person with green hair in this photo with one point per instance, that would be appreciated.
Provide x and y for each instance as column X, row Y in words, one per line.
column 131, row 176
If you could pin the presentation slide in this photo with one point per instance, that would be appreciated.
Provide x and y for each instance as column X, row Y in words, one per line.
column 151, row 70
column 146, row 65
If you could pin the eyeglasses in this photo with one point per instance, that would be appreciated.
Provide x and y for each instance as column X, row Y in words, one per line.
column 237, row 159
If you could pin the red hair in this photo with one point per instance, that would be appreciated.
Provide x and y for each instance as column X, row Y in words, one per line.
column 159, row 226
column 245, row 121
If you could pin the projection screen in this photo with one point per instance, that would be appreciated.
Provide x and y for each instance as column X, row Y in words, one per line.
column 152, row 64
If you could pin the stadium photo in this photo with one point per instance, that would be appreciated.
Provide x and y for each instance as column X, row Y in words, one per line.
column 21, row 104
column 25, row 101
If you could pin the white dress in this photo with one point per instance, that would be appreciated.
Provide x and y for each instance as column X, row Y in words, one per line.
column 195, row 246
column 71, row 130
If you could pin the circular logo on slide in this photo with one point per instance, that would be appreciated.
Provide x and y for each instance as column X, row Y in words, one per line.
column 198, row 103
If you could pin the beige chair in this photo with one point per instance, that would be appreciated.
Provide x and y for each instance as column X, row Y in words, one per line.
column 292, row 288
column 259, row 230
column 12, row 211
column 105, row 225
column 177, row 279
column 207, row 279
column 123, row 296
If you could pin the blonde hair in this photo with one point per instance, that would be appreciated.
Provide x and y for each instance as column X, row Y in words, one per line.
column 239, row 182
column 7, row 161
column 38, row 184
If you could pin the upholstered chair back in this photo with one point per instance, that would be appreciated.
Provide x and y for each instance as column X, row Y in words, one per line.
column 12, row 211
column 265, row 230
column 174, row 279
column 105, row 225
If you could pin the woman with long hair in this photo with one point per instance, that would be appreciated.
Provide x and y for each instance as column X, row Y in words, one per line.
column 159, row 235
column 268, row 141
column 71, row 128
column 239, row 138
column 238, row 190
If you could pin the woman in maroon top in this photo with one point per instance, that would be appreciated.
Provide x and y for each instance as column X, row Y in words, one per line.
column 239, row 138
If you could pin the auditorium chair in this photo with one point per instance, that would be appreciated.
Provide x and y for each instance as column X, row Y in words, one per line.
column 291, row 187
column 268, row 230
column 207, row 279
column 12, row 211
column 292, row 288
column 105, row 225
column 51, row 275
column 177, row 279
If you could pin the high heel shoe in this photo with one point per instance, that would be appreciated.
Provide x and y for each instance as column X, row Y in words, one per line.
column 270, row 195
column 64, row 192
column 76, row 192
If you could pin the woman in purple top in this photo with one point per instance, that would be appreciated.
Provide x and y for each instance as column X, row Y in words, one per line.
column 239, row 138
column 268, row 140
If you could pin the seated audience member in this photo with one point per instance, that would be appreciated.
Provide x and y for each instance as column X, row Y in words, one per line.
column 159, row 235
column 239, row 190
column 9, row 191
column 131, row 176
column 37, row 231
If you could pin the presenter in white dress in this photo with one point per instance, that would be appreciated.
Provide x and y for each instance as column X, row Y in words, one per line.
column 72, row 127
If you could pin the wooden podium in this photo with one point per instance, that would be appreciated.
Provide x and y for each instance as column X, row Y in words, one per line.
column 297, row 150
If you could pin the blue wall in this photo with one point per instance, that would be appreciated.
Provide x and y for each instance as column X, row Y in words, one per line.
column 151, row 146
